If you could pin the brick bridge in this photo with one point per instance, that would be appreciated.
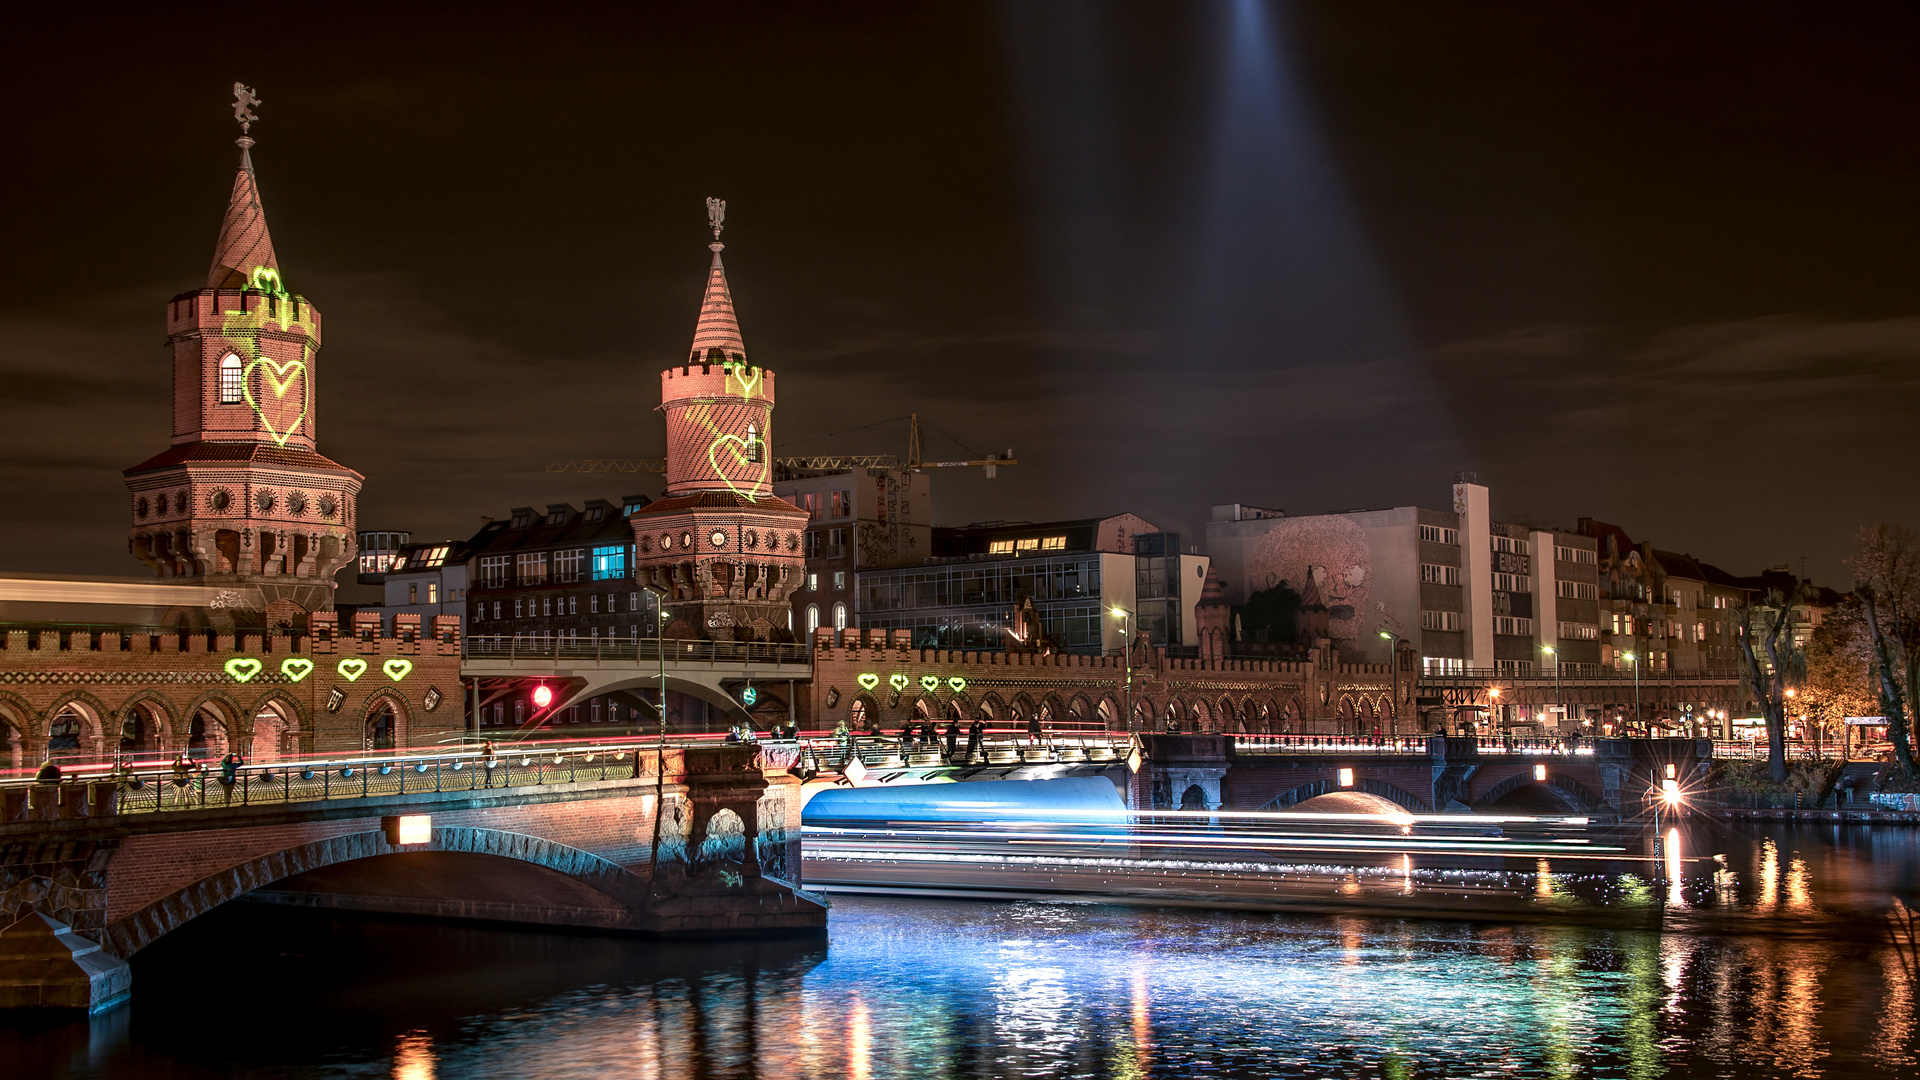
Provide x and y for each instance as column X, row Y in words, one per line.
column 1432, row 774
column 95, row 867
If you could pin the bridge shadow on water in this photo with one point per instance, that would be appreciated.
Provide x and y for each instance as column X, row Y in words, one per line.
column 259, row 989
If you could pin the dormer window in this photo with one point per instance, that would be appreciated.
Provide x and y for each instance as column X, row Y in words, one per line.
column 520, row 521
column 756, row 446
column 232, row 380
column 558, row 517
column 594, row 513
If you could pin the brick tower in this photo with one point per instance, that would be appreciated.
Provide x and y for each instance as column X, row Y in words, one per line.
column 242, row 500
column 725, row 549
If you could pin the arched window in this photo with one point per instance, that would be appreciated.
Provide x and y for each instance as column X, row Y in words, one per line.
column 813, row 617
column 232, row 380
column 756, row 446
column 857, row 713
column 839, row 616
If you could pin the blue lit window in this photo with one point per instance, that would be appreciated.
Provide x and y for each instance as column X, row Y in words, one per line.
column 610, row 562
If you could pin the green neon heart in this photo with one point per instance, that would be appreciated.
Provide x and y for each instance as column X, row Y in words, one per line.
column 296, row 667
column 898, row 682
column 868, row 681
column 266, row 279
column 736, row 446
column 958, row 684
column 351, row 668
column 929, row 683
column 243, row 668
column 747, row 387
column 280, row 378
column 397, row 668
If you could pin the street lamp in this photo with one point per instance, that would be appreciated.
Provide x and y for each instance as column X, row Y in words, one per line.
column 1557, row 706
column 1393, row 682
column 1631, row 659
column 1126, row 652
column 1493, row 695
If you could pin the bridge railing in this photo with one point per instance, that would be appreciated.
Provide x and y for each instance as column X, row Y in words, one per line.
column 646, row 650
column 1408, row 745
column 193, row 785
column 1010, row 747
column 1756, row 750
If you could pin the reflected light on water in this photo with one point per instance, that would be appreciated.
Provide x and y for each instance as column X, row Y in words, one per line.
column 1799, row 895
column 1142, row 1021
column 1769, row 875
column 1674, row 897
column 1542, row 879
column 413, row 1057
column 859, row 1041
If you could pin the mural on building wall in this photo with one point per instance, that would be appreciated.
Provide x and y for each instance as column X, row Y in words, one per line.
column 1325, row 559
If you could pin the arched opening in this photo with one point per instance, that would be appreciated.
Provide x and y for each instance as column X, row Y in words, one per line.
column 1194, row 798
column 1109, row 712
column 273, row 733
column 140, row 731
column 63, row 735
column 726, row 839
column 380, row 727
column 857, row 714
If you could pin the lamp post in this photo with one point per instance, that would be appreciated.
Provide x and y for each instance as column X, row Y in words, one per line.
column 1557, row 706
column 1126, row 653
column 1393, row 683
column 1635, row 661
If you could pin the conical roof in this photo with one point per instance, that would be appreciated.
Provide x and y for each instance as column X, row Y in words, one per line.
column 244, row 245
column 718, row 328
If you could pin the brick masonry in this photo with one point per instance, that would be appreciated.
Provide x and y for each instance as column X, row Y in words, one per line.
column 102, row 677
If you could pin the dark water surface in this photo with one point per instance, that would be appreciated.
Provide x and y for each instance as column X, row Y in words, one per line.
column 923, row 988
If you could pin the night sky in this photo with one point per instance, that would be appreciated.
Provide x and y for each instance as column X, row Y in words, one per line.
column 1649, row 263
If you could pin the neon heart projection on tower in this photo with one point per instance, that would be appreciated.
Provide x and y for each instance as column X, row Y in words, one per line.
column 243, row 499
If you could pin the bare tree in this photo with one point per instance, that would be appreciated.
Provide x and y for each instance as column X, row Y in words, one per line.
column 1839, row 680
column 1887, row 580
column 1766, row 631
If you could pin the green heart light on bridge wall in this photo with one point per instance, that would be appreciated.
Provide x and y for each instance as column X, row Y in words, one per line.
column 899, row 682
column 243, row 668
column 958, row 684
column 868, row 680
column 351, row 668
column 296, row 667
column 397, row 668
column 929, row 683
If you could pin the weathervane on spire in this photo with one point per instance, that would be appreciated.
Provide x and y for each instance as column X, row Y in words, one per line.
column 716, row 216
column 243, row 103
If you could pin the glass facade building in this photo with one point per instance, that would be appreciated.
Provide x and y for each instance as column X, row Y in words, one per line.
column 971, row 604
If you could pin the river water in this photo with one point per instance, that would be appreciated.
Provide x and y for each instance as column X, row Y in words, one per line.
column 952, row 988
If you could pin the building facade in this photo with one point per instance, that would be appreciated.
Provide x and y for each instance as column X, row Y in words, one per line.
column 1072, row 575
column 857, row 520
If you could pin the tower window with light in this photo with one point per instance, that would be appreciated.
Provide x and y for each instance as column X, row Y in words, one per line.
column 232, row 381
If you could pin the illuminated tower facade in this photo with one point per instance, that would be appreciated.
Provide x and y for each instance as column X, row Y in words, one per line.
column 724, row 549
column 242, row 499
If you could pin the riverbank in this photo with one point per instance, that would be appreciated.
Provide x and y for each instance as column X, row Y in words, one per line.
column 1855, row 815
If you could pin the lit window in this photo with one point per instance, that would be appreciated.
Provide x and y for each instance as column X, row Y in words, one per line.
column 232, row 380
column 433, row 592
column 999, row 547
column 839, row 616
column 1031, row 543
column 1053, row 543
column 813, row 617
column 813, row 582
column 839, row 579
column 609, row 562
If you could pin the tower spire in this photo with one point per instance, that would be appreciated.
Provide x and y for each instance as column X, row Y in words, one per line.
column 719, row 327
column 243, row 257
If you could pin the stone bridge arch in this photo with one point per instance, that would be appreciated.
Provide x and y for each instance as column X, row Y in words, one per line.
column 147, row 924
column 1400, row 797
column 1571, row 793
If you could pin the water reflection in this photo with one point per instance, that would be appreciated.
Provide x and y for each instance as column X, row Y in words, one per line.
column 936, row 989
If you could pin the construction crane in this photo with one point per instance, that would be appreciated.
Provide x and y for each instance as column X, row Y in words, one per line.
column 810, row 463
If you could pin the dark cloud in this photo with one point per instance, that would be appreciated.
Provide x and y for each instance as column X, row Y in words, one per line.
column 1637, row 263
